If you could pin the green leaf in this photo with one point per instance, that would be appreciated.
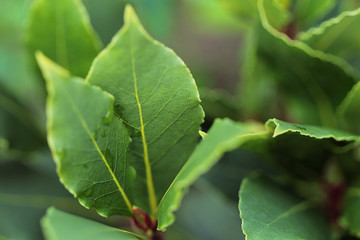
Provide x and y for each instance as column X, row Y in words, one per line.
column 24, row 196
column 315, row 76
column 213, row 216
column 279, row 127
column 307, row 12
column 247, row 10
column 225, row 135
column 350, row 218
column 302, row 151
column 61, row 29
column 156, row 97
column 18, row 77
column 339, row 36
column 19, row 129
column 58, row 225
column 349, row 111
column 88, row 142
column 270, row 212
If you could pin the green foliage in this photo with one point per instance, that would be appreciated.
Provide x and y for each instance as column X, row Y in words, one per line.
column 62, row 31
column 124, row 122
column 60, row 225
column 92, row 163
column 284, row 217
column 157, row 99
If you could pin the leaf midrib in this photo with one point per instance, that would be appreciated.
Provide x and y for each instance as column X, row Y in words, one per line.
column 149, row 178
column 88, row 132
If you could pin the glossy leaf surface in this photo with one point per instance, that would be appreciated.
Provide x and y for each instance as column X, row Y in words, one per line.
column 87, row 142
column 156, row 97
column 58, row 225
column 61, row 30
column 270, row 212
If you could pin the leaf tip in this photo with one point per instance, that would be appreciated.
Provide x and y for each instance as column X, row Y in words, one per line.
column 130, row 15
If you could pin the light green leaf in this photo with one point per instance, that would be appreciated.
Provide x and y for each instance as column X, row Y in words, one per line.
column 349, row 111
column 88, row 142
column 279, row 127
column 58, row 225
column 270, row 212
column 156, row 97
column 307, row 12
column 246, row 10
column 61, row 29
column 225, row 135
column 301, row 74
column 350, row 218
column 339, row 36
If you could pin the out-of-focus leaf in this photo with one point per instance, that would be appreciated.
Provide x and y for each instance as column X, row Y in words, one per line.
column 17, row 73
column 106, row 16
column 348, row 5
column 233, row 167
column 61, row 29
column 307, row 12
column 301, row 74
column 211, row 16
column 247, row 10
column 157, row 98
column 58, row 225
column 270, row 212
column 350, row 218
column 24, row 196
column 223, row 136
column 339, row 36
column 88, row 142
column 19, row 129
column 303, row 150
column 349, row 111
column 218, row 104
column 207, row 214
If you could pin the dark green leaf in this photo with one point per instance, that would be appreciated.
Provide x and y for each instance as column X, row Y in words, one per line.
column 156, row 97
column 19, row 129
column 350, row 218
column 17, row 75
column 58, row 225
column 339, row 36
column 88, row 142
column 308, row 78
column 61, row 29
column 270, row 212
column 349, row 111
column 207, row 214
column 24, row 196
column 225, row 135
column 307, row 12
column 247, row 10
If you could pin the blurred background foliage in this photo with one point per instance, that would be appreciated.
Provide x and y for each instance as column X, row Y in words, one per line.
column 222, row 43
